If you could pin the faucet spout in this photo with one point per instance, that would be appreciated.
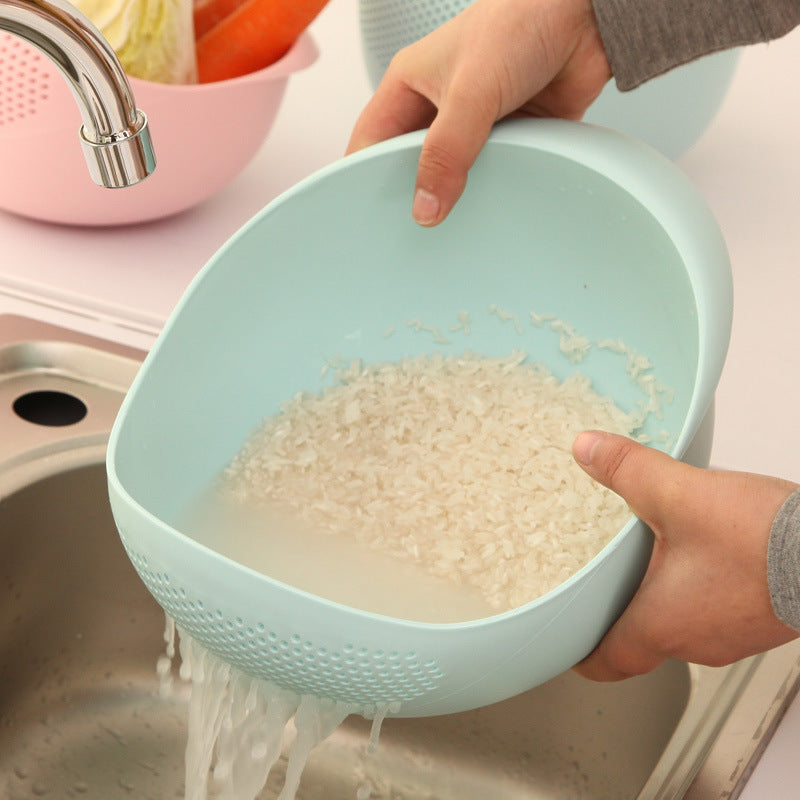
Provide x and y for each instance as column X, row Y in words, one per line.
column 115, row 136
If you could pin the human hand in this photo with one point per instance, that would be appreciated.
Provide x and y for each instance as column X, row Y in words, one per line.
column 494, row 59
column 705, row 596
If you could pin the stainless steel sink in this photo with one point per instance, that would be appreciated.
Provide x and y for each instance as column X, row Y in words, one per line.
column 80, row 711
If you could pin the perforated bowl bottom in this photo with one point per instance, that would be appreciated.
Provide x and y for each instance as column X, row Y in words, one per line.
column 353, row 672
column 25, row 77
column 390, row 25
column 646, row 113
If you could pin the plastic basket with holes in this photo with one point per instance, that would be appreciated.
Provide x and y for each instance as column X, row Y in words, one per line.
column 568, row 218
column 695, row 90
column 43, row 170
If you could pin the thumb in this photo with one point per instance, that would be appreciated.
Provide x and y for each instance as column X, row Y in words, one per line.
column 644, row 477
column 452, row 143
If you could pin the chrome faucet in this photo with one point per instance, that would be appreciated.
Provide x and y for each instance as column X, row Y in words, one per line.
column 115, row 136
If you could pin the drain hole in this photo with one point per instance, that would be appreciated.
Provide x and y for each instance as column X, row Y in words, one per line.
column 50, row 408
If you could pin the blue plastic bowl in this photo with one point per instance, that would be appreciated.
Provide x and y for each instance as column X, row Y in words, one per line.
column 557, row 217
column 670, row 112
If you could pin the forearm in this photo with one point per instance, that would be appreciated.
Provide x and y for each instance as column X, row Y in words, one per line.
column 645, row 38
column 783, row 562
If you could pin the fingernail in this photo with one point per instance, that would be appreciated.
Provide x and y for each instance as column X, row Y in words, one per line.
column 584, row 446
column 426, row 207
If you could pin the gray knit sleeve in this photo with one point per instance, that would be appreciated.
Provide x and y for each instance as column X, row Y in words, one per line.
column 783, row 562
column 645, row 38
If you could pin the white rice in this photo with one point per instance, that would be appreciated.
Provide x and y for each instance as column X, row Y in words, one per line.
column 460, row 463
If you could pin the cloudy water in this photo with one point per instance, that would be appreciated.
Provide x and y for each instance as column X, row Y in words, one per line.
column 330, row 565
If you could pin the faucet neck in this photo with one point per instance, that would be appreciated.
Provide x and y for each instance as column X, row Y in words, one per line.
column 114, row 136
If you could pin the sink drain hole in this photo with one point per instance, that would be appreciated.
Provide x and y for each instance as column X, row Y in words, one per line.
column 50, row 408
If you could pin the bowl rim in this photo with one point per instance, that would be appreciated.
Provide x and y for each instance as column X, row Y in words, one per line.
column 301, row 55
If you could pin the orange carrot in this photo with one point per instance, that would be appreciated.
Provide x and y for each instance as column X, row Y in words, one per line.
column 253, row 36
column 209, row 13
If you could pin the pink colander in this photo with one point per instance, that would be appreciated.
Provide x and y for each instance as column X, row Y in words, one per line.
column 204, row 135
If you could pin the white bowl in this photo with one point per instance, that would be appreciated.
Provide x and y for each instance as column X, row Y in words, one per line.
column 670, row 112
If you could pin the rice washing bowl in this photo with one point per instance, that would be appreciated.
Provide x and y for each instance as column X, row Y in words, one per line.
column 557, row 217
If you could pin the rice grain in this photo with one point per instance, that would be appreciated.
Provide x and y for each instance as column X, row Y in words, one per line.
column 460, row 463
